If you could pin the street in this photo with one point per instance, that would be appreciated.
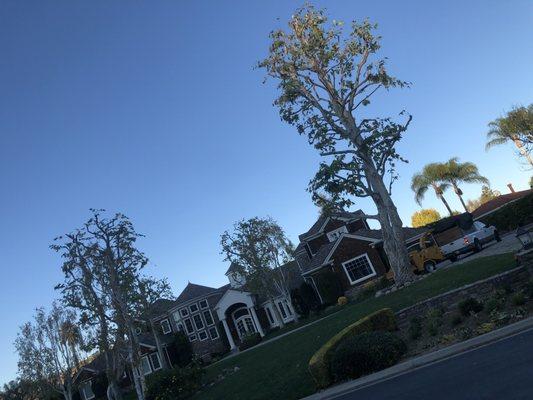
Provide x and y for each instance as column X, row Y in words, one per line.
column 502, row 370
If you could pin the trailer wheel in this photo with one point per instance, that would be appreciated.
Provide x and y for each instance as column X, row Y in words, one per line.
column 430, row 266
column 477, row 246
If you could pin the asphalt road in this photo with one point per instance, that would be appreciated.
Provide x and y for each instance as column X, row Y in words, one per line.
column 501, row 371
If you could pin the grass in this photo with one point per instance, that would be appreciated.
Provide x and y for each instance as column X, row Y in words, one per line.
column 279, row 369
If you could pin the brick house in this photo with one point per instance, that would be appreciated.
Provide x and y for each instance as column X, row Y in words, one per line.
column 343, row 243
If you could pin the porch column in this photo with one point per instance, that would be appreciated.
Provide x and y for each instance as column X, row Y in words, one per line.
column 228, row 334
column 256, row 320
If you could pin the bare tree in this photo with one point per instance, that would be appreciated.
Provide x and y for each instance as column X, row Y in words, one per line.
column 49, row 349
column 259, row 249
column 326, row 79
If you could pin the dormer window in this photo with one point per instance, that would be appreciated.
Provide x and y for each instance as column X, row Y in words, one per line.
column 335, row 234
column 165, row 326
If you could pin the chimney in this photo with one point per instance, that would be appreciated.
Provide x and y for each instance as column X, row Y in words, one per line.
column 511, row 188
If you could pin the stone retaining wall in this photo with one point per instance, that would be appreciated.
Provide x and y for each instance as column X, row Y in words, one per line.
column 515, row 279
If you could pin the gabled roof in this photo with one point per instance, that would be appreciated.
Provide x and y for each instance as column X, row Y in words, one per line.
column 158, row 307
column 319, row 225
column 232, row 268
column 500, row 201
column 192, row 291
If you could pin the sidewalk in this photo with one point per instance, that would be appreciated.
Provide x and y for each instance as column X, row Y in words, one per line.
column 425, row 360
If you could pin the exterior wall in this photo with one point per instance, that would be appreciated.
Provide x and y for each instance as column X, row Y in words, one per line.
column 356, row 225
column 350, row 248
column 317, row 243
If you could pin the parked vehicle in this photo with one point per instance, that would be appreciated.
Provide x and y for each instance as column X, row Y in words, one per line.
column 425, row 254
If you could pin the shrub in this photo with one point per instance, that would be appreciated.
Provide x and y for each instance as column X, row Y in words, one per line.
column 512, row 215
column 470, row 306
column 342, row 301
column 415, row 328
column 485, row 328
column 329, row 286
column 365, row 353
column 456, row 319
column 300, row 306
column 319, row 364
column 493, row 304
column 173, row 384
column 180, row 350
column 433, row 321
column 518, row 299
column 249, row 340
column 309, row 297
column 368, row 290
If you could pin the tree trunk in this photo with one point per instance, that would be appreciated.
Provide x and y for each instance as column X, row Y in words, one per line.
column 277, row 314
column 459, row 194
column 113, row 389
column 441, row 197
column 518, row 143
column 391, row 228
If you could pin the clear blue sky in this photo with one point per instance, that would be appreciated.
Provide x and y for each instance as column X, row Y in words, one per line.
column 154, row 109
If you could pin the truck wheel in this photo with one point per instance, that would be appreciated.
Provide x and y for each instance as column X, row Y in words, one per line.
column 430, row 266
column 497, row 236
column 453, row 258
column 477, row 246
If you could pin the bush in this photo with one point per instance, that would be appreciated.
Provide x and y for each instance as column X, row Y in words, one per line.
column 518, row 299
column 433, row 321
column 249, row 340
column 470, row 306
column 319, row 365
column 368, row 290
column 174, row 384
column 365, row 353
column 512, row 215
column 300, row 306
column 342, row 301
column 456, row 319
column 309, row 297
column 329, row 286
column 529, row 289
column 180, row 350
column 415, row 328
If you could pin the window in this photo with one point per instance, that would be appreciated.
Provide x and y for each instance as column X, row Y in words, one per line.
column 335, row 234
column 192, row 338
column 202, row 335
column 269, row 315
column 156, row 362
column 213, row 333
column 146, row 368
column 289, row 311
column 188, row 325
column 358, row 269
column 180, row 327
column 193, row 308
column 165, row 326
column 87, row 391
column 138, row 331
column 184, row 312
column 282, row 309
column 203, row 304
column 208, row 317
column 198, row 321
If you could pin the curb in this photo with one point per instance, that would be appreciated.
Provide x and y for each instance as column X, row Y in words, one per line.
column 425, row 360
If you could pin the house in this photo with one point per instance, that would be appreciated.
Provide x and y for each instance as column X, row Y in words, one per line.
column 343, row 243
column 498, row 202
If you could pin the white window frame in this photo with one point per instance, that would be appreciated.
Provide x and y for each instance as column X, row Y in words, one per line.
column 216, row 331
column 192, row 338
column 201, row 320
column 82, row 387
column 169, row 327
column 336, row 233
column 270, row 315
column 143, row 358
column 206, row 336
column 184, row 312
column 205, row 319
column 156, row 354
column 189, row 332
column 363, row 278
column 194, row 305
column 206, row 304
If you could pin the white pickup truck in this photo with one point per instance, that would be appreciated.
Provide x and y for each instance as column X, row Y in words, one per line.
column 473, row 239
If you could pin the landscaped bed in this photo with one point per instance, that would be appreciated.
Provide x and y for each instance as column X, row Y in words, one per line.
column 280, row 369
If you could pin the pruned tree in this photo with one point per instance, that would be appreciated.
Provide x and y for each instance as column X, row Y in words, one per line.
column 431, row 177
column 49, row 349
column 327, row 78
column 455, row 173
column 103, row 279
column 516, row 127
column 259, row 251
column 423, row 217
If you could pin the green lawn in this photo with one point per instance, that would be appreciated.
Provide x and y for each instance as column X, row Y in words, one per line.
column 279, row 369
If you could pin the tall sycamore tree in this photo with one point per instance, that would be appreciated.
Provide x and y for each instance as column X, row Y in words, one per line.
column 326, row 79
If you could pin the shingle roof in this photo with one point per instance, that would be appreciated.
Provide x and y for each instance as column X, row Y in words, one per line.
column 498, row 202
column 192, row 291
column 158, row 307
column 319, row 258
column 322, row 219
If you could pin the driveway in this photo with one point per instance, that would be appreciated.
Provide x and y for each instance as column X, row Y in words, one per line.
column 501, row 370
column 509, row 243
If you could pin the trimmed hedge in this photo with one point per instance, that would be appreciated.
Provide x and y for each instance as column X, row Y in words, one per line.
column 319, row 365
column 366, row 353
column 250, row 340
column 511, row 216
column 174, row 384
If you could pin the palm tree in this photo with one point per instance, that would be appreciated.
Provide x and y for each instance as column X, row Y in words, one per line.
column 430, row 177
column 516, row 127
column 455, row 173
